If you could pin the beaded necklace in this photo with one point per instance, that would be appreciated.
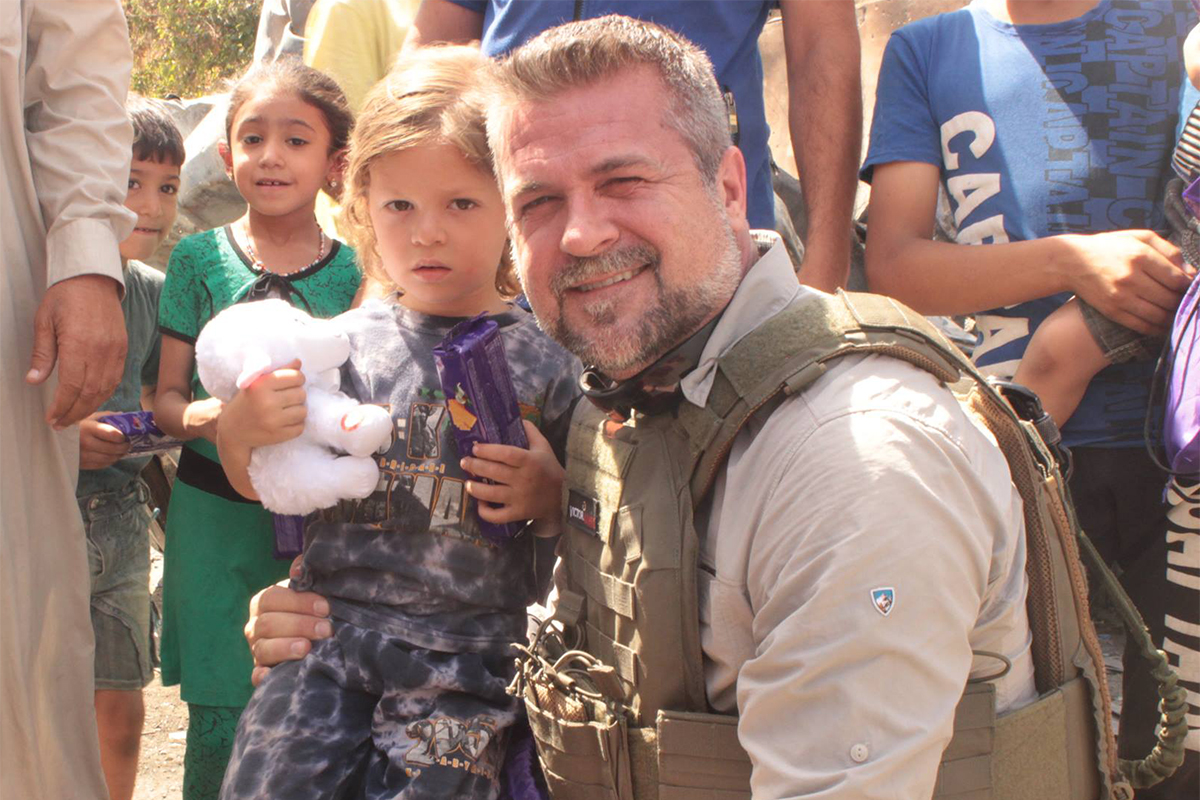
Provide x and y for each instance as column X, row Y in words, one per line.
column 257, row 264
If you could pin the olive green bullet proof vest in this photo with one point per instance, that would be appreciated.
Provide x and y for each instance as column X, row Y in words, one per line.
column 616, row 700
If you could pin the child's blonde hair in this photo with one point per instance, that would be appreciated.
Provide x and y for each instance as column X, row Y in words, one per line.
column 428, row 98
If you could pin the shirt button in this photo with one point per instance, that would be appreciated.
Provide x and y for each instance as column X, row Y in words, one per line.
column 859, row 753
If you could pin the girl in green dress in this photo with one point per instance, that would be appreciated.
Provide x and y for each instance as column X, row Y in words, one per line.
column 286, row 129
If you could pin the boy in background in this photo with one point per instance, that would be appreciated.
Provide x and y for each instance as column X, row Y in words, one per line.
column 112, row 498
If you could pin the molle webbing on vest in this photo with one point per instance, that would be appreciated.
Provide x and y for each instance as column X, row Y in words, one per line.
column 648, row 732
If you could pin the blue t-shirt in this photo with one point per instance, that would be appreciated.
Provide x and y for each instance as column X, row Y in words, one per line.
column 726, row 30
column 1041, row 130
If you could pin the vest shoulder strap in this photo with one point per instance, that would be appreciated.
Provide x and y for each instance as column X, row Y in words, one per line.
column 788, row 352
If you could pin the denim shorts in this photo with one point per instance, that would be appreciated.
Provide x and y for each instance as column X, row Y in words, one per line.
column 118, row 542
column 1119, row 344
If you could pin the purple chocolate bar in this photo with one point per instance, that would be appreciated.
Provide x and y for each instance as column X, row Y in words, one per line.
column 1191, row 197
column 480, row 398
column 289, row 535
column 143, row 435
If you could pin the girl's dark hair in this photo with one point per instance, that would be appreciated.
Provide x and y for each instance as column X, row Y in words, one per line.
column 312, row 86
column 155, row 135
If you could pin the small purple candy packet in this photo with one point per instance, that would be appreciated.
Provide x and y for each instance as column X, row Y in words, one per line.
column 143, row 434
column 1191, row 197
column 289, row 535
column 480, row 399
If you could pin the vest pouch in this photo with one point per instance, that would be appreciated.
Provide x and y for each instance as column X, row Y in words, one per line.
column 581, row 739
column 699, row 757
column 965, row 772
column 1047, row 748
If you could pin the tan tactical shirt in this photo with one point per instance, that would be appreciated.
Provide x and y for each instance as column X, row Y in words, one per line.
column 864, row 539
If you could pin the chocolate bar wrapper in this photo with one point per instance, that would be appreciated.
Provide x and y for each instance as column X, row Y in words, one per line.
column 480, row 398
column 1191, row 197
column 144, row 436
column 289, row 535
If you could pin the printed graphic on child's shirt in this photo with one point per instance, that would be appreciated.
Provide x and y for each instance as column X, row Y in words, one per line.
column 426, row 419
column 451, row 742
column 451, row 502
column 409, row 559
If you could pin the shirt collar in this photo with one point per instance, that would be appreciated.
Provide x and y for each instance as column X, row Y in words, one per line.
column 766, row 289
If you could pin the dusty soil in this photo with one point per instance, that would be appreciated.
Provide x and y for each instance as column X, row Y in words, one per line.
column 160, row 770
column 160, row 767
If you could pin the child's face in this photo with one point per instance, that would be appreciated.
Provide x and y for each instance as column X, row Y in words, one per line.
column 152, row 195
column 439, row 226
column 279, row 152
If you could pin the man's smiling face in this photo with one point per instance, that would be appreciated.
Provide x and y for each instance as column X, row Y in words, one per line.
column 624, row 249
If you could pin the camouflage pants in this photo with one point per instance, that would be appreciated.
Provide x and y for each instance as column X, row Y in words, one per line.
column 365, row 715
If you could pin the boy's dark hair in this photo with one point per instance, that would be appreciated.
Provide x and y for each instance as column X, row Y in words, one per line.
column 155, row 135
column 313, row 87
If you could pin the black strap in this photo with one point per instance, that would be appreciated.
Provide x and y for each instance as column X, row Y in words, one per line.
column 201, row 472
column 269, row 286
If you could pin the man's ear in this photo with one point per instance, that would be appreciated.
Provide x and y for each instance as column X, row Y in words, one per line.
column 226, row 156
column 731, row 184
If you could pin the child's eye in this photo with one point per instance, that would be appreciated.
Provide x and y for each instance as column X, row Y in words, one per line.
column 169, row 188
column 296, row 141
column 397, row 205
column 133, row 184
column 463, row 203
column 251, row 139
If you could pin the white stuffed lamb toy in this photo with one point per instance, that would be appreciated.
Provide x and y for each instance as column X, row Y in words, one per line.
column 248, row 340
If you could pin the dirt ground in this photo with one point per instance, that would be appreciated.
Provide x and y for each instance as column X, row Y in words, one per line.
column 160, row 768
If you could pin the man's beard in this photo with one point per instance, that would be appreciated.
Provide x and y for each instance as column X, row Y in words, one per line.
column 678, row 313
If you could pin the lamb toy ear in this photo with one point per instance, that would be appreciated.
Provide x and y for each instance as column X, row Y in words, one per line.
column 255, row 364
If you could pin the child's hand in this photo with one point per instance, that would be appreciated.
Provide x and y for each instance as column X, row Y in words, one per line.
column 200, row 418
column 100, row 445
column 268, row 411
column 528, row 482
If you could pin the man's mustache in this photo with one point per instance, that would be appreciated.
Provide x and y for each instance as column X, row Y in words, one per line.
column 584, row 268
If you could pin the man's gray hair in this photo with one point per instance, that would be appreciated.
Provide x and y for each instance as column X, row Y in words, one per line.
column 579, row 53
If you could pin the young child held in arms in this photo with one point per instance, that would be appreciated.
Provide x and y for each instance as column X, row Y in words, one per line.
column 1076, row 342
column 112, row 498
column 407, row 698
column 286, row 128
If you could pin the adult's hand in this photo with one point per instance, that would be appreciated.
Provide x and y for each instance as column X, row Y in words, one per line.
column 79, row 325
column 283, row 625
column 1133, row 277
